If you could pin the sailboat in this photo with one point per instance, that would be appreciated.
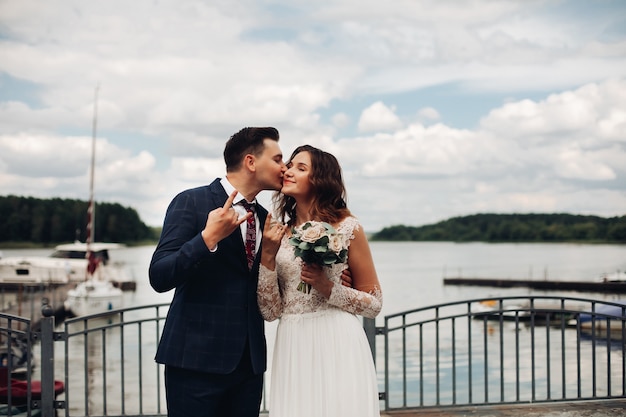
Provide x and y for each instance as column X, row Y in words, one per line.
column 65, row 265
column 95, row 294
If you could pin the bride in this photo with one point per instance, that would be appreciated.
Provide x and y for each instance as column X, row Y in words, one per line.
column 322, row 363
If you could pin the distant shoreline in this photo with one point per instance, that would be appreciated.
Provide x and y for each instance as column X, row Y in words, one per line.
column 513, row 228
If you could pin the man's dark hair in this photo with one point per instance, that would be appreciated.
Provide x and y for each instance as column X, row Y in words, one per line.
column 248, row 140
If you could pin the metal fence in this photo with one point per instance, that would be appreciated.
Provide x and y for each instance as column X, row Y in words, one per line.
column 16, row 360
column 109, row 365
column 504, row 350
column 473, row 352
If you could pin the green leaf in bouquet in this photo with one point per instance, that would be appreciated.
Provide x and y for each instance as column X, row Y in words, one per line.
column 329, row 258
column 331, row 230
column 310, row 258
column 324, row 240
column 320, row 249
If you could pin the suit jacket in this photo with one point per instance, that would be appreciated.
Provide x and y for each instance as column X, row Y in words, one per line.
column 214, row 311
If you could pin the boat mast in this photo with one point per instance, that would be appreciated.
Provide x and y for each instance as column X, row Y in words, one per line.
column 91, row 212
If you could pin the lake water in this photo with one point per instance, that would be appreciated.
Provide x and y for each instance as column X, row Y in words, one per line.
column 411, row 275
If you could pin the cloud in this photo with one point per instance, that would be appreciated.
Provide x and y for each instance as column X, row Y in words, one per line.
column 341, row 120
column 36, row 156
column 428, row 114
column 544, row 99
column 525, row 156
column 378, row 117
column 575, row 134
column 573, row 163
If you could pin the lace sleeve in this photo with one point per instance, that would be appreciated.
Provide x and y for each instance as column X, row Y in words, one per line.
column 365, row 298
column 268, row 294
column 366, row 304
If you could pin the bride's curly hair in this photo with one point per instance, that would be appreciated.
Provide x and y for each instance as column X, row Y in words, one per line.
column 329, row 192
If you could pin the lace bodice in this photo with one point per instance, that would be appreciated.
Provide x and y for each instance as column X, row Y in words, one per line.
column 277, row 291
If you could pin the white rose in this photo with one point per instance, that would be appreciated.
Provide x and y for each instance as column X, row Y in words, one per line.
column 313, row 233
column 336, row 243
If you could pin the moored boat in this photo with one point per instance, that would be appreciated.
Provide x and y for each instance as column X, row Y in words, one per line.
column 536, row 313
column 93, row 296
column 606, row 320
column 66, row 264
column 493, row 309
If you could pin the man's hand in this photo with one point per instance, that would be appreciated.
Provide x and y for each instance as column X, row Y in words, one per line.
column 346, row 277
column 221, row 222
column 316, row 277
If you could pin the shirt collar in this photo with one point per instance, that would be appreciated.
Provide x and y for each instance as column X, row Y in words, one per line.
column 229, row 188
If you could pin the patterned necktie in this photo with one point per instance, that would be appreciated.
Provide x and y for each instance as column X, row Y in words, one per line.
column 250, row 232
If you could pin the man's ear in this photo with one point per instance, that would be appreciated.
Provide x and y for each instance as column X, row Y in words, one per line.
column 249, row 161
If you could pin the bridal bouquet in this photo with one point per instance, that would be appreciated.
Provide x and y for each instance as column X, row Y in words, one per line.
column 318, row 243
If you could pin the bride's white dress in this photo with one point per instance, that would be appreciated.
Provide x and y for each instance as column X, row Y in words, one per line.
column 322, row 364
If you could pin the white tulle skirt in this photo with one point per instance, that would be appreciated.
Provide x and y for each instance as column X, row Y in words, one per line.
column 322, row 367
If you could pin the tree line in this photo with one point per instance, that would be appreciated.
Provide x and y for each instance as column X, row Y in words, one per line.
column 560, row 227
column 56, row 220
column 52, row 221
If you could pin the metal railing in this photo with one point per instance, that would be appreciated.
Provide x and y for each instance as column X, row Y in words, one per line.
column 504, row 350
column 474, row 352
column 16, row 359
column 109, row 363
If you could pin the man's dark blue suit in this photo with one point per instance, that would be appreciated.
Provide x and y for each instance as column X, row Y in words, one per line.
column 213, row 324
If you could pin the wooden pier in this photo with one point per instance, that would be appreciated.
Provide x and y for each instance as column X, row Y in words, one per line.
column 545, row 285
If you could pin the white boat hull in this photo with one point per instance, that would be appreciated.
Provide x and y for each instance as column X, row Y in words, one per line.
column 93, row 297
column 67, row 264
column 41, row 270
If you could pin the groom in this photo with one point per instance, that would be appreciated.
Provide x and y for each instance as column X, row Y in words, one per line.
column 213, row 345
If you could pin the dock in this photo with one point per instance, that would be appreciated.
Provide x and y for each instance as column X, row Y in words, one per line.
column 545, row 285
column 615, row 407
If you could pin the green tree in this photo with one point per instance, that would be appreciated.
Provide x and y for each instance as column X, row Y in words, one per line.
column 51, row 221
column 488, row 227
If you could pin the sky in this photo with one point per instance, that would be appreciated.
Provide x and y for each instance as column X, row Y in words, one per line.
column 434, row 108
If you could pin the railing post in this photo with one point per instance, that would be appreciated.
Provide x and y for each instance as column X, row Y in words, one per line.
column 47, row 361
column 370, row 331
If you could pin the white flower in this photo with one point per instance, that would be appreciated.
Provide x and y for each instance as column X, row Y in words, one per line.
column 336, row 243
column 318, row 243
column 313, row 233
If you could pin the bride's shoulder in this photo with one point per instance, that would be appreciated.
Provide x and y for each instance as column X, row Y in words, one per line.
column 348, row 225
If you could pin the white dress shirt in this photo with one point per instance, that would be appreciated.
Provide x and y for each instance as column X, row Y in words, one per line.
column 241, row 211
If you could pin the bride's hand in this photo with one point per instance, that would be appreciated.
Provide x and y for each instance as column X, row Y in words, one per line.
column 273, row 233
column 315, row 276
